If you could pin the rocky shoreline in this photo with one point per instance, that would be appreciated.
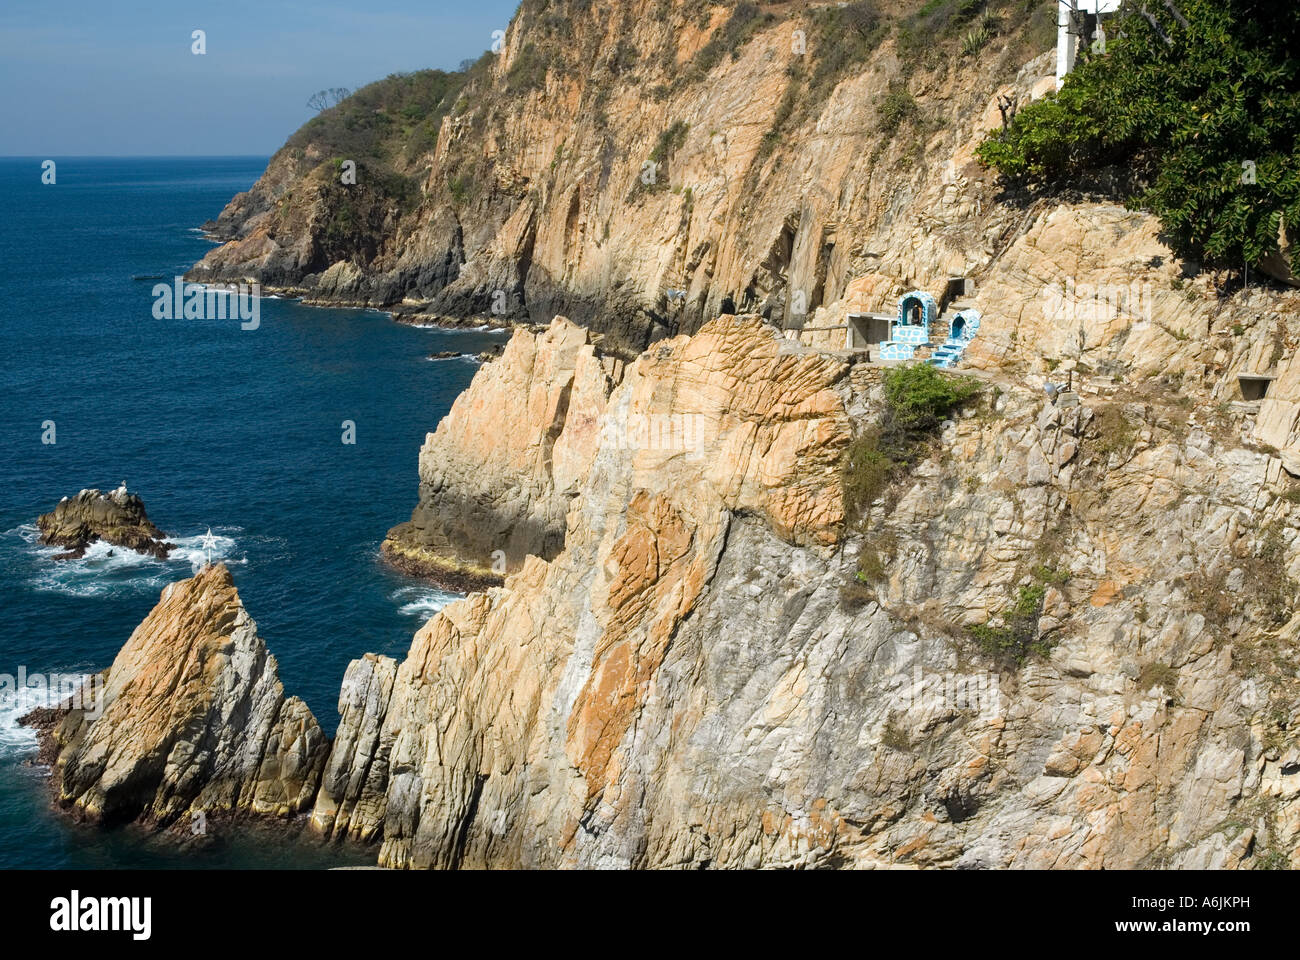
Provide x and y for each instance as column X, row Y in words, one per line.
column 412, row 561
column 687, row 654
column 414, row 318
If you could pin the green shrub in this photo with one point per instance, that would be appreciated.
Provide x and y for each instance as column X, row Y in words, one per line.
column 365, row 126
column 1114, row 432
column 1016, row 638
column 840, row 39
column 976, row 40
column 1187, row 112
column 919, row 32
column 872, row 558
column 728, row 39
column 529, row 70
column 867, row 471
column 669, row 141
column 896, row 107
column 918, row 398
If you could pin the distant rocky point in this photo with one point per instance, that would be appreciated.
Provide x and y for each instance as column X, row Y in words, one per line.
column 117, row 518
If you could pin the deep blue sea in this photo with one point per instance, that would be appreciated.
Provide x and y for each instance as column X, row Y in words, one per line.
column 214, row 426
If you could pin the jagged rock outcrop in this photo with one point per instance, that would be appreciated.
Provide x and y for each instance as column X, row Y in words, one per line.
column 351, row 802
column 493, row 489
column 192, row 718
column 118, row 518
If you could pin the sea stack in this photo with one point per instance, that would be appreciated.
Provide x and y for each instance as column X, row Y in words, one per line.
column 192, row 718
column 118, row 518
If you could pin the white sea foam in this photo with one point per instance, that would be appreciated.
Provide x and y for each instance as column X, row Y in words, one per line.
column 105, row 569
column 24, row 690
column 16, row 740
column 423, row 602
column 190, row 550
column 450, row 328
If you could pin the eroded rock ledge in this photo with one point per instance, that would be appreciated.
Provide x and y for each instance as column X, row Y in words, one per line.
column 498, row 475
column 118, row 518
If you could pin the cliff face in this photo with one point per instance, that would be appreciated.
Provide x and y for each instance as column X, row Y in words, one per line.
column 789, row 147
column 688, row 654
column 513, row 718
column 492, row 489
column 688, row 682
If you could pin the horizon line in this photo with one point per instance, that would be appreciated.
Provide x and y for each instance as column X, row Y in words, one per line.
column 134, row 156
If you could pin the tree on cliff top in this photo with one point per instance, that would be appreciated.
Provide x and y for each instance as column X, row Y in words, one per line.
column 1200, row 99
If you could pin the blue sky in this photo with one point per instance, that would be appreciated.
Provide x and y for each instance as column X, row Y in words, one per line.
column 117, row 77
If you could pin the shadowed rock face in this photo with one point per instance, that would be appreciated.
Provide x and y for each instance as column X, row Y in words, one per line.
column 117, row 518
column 194, row 718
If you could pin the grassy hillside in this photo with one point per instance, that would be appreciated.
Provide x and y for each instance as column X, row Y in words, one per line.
column 387, row 128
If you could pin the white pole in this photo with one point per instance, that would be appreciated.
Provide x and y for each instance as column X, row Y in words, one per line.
column 1065, row 10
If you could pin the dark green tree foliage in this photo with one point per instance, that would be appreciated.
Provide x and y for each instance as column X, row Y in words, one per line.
column 918, row 398
column 1201, row 103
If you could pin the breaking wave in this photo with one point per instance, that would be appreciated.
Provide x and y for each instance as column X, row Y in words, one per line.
column 423, row 602
column 106, row 570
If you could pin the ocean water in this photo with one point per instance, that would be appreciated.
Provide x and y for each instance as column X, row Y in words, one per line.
column 214, row 426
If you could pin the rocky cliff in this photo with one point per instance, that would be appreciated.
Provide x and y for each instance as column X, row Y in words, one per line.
column 493, row 490
column 688, row 683
column 1062, row 634
column 720, row 667
column 645, row 166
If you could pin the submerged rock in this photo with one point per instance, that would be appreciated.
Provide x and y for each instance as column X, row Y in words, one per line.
column 118, row 518
column 192, row 718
